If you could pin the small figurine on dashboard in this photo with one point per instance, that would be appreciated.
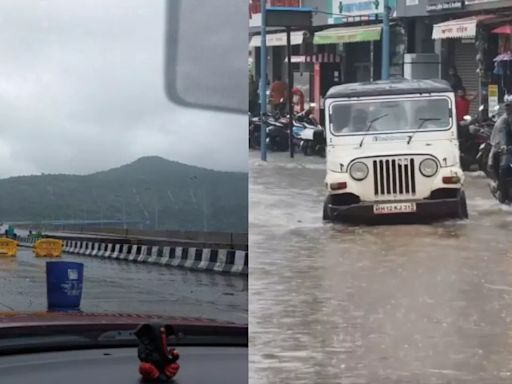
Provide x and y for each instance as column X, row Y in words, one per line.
column 158, row 363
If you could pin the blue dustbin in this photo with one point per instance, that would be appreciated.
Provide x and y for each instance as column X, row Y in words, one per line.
column 64, row 285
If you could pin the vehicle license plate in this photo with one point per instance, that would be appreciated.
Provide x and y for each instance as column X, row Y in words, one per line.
column 389, row 209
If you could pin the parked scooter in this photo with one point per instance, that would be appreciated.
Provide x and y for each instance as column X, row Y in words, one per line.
column 313, row 134
column 277, row 134
column 308, row 135
column 255, row 128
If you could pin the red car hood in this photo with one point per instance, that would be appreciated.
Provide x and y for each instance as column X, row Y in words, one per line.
column 116, row 320
column 45, row 331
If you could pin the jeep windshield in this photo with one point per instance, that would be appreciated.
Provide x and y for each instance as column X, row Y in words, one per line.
column 349, row 118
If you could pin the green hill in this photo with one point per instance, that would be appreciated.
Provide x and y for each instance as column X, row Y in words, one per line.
column 184, row 197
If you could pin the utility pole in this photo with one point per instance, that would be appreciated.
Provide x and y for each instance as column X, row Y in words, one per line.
column 290, row 87
column 124, row 214
column 385, row 42
column 156, row 212
column 263, row 80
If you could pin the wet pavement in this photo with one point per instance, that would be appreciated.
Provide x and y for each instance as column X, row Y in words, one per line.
column 116, row 286
column 384, row 304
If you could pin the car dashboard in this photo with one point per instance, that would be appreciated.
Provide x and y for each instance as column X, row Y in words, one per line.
column 212, row 365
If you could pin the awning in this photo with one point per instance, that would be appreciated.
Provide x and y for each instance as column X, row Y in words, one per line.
column 316, row 58
column 459, row 28
column 503, row 30
column 348, row 34
column 278, row 39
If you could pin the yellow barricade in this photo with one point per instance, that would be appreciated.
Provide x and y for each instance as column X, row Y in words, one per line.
column 48, row 248
column 8, row 247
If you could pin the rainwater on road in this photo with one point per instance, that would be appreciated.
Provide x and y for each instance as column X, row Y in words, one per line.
column 117, row 286
column 331, row 303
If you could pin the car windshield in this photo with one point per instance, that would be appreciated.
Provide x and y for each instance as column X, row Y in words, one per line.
column 147, row 196
column 390, row 115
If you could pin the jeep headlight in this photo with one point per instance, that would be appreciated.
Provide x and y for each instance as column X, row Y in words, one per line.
column 428, row 167
column 359, row 171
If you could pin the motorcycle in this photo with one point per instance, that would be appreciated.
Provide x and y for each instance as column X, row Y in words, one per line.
column 277, row 134
column 313, row 140
column 308, row 135
column 501, row 189
column 255, row 128
column 474, row 133
column 255, row 132
column 485, row 148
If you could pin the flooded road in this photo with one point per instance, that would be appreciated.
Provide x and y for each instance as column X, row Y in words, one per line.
column 115, row 286
column 383, row 304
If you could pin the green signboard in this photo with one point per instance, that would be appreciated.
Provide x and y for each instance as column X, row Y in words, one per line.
column 343, row 11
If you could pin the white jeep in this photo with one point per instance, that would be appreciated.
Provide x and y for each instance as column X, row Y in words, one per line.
column 392, row 150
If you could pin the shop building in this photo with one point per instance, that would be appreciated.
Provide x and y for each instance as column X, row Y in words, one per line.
column 463, row 34
column 341, row 29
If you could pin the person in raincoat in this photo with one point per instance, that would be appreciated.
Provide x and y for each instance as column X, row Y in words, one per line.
column 278, row 95
column 501, row 138
column 298, row 100
column 463, row 103
column 454, row 79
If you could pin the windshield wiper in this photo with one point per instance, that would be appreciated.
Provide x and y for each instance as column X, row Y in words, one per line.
column 423, row 121
column 369, row 127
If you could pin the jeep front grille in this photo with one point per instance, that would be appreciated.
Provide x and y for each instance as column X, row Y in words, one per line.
column 394, row 176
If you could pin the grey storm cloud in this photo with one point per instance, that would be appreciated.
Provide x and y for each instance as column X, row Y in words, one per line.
column 82, row 90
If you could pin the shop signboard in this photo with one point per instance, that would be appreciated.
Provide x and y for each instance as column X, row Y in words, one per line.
column 255, row 9
column 444, row 5
column 473, row 2
column 492, row 92
column 411, row 8
column 343, row 11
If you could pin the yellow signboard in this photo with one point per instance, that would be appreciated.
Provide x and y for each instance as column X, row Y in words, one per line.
column 8, row 247
column 492, row 93
column 48, row 248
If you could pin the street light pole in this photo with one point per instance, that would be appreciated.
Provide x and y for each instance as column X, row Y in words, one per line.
column 385, row 42
column 290, row 88
column 263, row 80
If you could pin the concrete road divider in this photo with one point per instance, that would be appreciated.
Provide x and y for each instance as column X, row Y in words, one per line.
column 8, row 247
column 202, row 259
column 48, row 248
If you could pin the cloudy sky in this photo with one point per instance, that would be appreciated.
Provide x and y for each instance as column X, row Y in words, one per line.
column 82, row 90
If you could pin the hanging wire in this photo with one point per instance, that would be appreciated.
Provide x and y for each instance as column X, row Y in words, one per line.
column 331, row 13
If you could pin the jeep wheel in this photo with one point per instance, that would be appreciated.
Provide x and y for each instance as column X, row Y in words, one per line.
column 326, row 216
column 463, row 207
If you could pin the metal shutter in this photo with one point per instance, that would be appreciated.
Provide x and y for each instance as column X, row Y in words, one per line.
column 465, row 61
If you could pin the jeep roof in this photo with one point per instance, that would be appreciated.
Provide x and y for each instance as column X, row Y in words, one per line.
column 388, row 88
